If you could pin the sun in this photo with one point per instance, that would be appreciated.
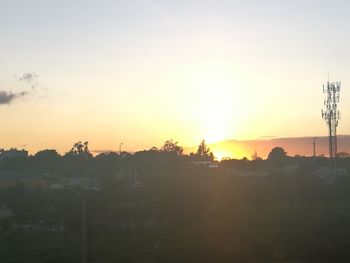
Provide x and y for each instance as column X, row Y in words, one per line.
column 213, row 89
column 219, row 155
column 209, row 89
column 215, row 126
column 215, row 119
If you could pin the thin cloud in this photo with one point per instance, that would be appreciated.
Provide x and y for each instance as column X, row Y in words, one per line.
column 30, row 79
column 30, row 84
column 8, row 97
column 268, row 137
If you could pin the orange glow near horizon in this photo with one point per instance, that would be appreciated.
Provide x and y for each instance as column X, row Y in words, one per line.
column 223, row 150
column 226, row 150
column 149, row 74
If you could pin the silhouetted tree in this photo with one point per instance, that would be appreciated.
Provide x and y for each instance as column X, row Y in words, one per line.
column 277, row 154
column 203, row 149
column 343, row 155
column 256, row 157
column 78, row 160
column 80, row 149
column 203, row 153
column 154, row 149
column 245, row 159
column 48, row 159
column 47, row 155
column 171, row 146
column 107, row 163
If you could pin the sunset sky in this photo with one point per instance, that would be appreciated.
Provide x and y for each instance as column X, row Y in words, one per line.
column 143, row 71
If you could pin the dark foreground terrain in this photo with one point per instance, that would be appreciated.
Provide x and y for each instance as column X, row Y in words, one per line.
column 154, row 207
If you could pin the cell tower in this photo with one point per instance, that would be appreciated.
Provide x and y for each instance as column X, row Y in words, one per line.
column 331, row 115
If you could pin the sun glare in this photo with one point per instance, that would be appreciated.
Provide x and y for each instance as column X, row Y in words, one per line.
column 215, row 125
column 219, row 155
column 213, row 86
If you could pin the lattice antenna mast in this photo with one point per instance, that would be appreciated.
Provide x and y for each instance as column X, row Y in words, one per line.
column 331, row 115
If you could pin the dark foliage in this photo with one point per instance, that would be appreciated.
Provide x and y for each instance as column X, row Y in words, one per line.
column 156, row 206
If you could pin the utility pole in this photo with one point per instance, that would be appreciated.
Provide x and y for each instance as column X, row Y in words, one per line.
column 120, row 156
column 314, row 147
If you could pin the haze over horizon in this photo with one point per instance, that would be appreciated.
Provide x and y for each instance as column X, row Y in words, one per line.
column 141, row 72
column 302, row 146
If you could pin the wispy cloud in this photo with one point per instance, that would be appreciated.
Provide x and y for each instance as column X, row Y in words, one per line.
column 7, row 97
column 30, row 81
column 265, row 137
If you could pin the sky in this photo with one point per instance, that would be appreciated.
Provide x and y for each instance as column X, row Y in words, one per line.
column 143, row 71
